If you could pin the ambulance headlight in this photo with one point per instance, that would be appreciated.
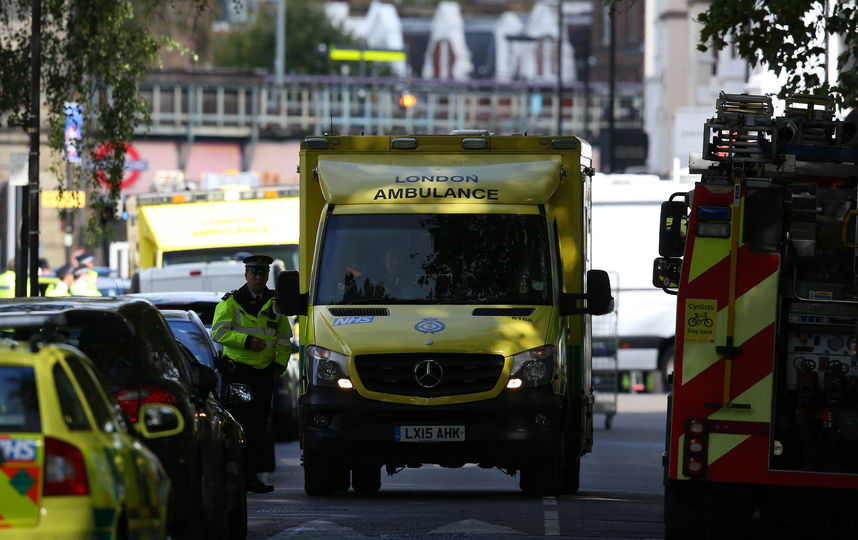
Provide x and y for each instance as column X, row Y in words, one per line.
column 534, row 367
column 328, row 367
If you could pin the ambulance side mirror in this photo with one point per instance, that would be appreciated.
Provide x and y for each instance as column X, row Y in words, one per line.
column 666, row 272
column 289, row 300
column 672, row 228
column 598, row 297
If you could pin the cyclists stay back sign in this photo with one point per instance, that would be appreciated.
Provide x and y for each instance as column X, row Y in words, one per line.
column 700, row 320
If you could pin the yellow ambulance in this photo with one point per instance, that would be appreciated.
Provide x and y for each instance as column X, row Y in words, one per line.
column 444, row 295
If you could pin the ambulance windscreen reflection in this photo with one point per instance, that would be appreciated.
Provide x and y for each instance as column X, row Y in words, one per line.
column 435, row 258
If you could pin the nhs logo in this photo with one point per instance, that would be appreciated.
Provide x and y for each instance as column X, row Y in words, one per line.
column 340, row 321
column 18, row 449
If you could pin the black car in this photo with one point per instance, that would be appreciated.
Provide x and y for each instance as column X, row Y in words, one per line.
column 190, row 330
column 140, row 361
column 203, row 303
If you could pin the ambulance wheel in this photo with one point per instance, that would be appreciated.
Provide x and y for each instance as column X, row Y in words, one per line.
column 366, row 478
column 572, row 475
column 339, row 475
column 543, row 478
column 317, row 477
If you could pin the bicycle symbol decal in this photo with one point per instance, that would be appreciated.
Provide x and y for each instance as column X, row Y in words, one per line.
column 700, row 316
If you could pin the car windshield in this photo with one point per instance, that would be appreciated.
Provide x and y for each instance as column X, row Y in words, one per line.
column 435, row 258
column 194, row 339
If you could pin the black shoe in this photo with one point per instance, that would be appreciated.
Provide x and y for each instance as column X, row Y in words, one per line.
column 255, row 485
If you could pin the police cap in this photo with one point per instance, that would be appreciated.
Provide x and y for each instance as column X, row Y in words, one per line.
column 64, row 270
column 257, row 262
column 85, row 258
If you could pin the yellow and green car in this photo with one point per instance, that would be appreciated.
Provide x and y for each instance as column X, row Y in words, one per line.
column 68, row 466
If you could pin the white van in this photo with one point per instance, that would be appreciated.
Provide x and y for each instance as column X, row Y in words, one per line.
column 219, row 276
column 625, row 218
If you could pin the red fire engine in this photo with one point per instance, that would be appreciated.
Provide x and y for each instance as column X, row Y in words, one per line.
column 762, row 424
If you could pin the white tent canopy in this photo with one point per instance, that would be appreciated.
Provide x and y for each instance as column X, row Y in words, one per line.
column 447, row 55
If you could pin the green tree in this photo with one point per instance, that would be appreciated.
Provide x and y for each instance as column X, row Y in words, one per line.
column 93, row 52
column 789, row 37
column 309, row 33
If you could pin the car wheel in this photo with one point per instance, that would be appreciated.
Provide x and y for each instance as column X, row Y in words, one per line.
column 238, row 517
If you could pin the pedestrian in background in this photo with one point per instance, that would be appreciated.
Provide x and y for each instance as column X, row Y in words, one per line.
column 81, row 285
column 258, row 341
column 87, row 260
column 65, row 278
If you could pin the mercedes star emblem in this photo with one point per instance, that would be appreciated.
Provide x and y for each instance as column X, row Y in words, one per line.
column 428, row 373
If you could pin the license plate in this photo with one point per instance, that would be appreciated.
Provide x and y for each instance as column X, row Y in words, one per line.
column 428, row 433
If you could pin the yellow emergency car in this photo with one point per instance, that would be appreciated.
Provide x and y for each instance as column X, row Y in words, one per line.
column 69, row 468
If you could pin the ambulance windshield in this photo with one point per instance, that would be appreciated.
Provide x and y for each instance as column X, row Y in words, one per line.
column 435, row 258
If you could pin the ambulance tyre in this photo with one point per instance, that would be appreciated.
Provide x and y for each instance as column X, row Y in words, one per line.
column 339, row 476
column 366, row 478
column 544, row 478
column 572, row 475
column 317, row 477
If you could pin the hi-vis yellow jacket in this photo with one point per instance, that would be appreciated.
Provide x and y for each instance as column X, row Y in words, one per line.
column 232, row 327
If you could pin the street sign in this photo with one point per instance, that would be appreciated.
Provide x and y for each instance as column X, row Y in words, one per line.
column 72, row 131
column 133, row 164
column 18, row 168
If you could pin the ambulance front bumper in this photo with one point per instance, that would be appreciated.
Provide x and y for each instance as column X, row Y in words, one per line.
column 515, row 428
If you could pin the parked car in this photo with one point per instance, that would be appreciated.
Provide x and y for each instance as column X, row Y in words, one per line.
column 285, row 407
column 71, row 469
column 190, row 330
column 141, row 362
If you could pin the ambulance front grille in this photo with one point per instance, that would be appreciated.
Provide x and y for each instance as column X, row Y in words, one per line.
column 459, row 373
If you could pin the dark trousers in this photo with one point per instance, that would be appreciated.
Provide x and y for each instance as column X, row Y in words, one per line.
column 253, row 415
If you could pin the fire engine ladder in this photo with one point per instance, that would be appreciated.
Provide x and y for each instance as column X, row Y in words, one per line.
column 742, row 132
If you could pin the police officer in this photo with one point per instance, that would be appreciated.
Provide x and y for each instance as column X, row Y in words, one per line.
column 257, row 340
column 87, row 260
column 62, row 286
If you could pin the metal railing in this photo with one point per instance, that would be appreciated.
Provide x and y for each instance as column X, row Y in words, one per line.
column 306, row 105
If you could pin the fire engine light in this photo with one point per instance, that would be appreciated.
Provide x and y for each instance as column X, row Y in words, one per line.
column 693, row 467
column 696, row 426
column 345, row 384
column 695, row 446
column 713, row 213
column 778, row 448
column 513, row 384
column 713, row 230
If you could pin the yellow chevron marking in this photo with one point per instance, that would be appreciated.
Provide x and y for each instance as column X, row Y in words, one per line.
column 707, row 253
column 755, row 310
column 760, row 398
